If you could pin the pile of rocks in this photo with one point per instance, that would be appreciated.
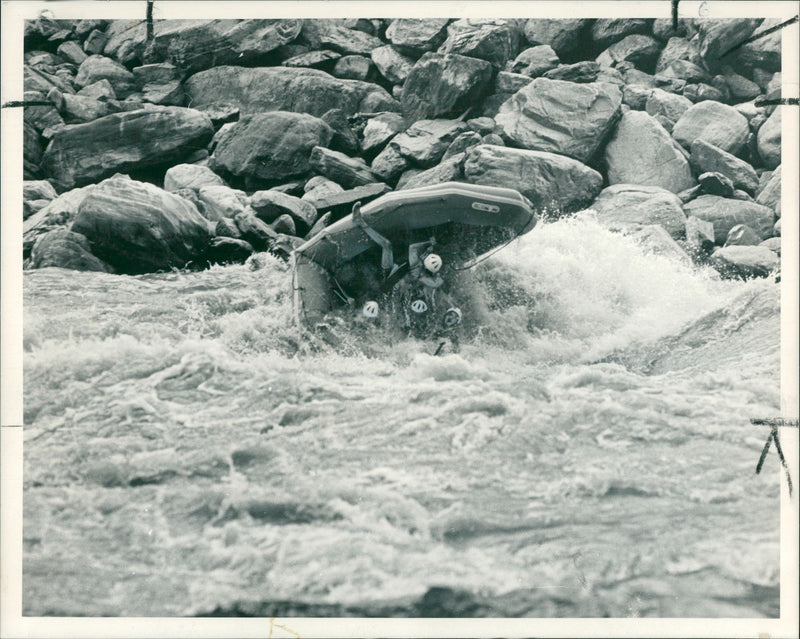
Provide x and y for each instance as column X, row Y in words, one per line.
column 218, row 138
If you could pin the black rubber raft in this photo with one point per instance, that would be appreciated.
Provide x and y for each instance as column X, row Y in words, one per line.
column 466, row 221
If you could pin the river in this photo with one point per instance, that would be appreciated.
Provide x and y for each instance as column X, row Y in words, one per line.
column 584, row 450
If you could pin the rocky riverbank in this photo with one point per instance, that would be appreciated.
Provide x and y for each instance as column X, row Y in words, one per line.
column 215, row 139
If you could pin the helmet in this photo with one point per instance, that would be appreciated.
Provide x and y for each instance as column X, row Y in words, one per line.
column 433, row 263
column 371, row 309
column 452, row 317
column 419, row 306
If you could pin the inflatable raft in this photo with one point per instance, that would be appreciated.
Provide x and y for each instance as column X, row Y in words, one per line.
column 341, row 263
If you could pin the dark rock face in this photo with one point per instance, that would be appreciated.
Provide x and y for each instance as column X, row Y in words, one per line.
column 563, row 35
column 271, row 146
column 65, row 249
column 138, row 228
column 561, row 117
column 254, row 90
column 639, row 50
column 444, row 84
column 552, row 182
column 707, row 157
column 719, row 36
column 607, row 31
column 495, row 41
column 199, row 44
column 123, row 142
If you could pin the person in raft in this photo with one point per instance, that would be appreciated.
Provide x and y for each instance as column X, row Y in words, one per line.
column 418, row 280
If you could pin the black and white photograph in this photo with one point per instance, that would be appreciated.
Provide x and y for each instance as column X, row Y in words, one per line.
column 400, row 319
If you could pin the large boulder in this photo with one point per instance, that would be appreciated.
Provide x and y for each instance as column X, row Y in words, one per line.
column 138, row 228
column 561, row 117
column 98, row 67
column 642, row 152
column 583, row 71
column 552, row 182
column 270, row 205
column 414, row 36
column 493, row 40
column 726, row 213
column 449, row 170
column 190, row 176
column 425, row 142
column 58, row 213
column 715, row 123
column 563, row 35
column 744, row 262
column 64, row 249
column 123, row 142
column 607, row 31
column 342, row 169
column 628, row 207
column 271, row 146
column 769, row 140
column 706, row 157
column 199, row 44
column 764, row 52
column 444, row 84
column 717, row 37
column 254, row 90
column 678, row 48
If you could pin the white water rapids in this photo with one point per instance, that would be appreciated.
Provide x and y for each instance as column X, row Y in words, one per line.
column 586, row 451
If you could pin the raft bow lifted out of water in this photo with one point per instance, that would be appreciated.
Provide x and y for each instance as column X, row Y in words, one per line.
column 466, row 220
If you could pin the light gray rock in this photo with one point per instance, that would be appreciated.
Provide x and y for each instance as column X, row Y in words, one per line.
column 221, row 201
column 392, row 65
column 388, row 165
column 380, row 129
column 725, row 213
column 348, row 41
column 507, row 82
column 415, row 36
column 535, row 61
column 655, row 239
column 770, row 195
column 667, row 105
column 72, row 52
column 715, row 123
column 627, row 207
column 190, row 176
column 769, row 140
column 138, row 228
column 561, row 117
column 425, row 141
column 717, row 36
column 38, row 190
column 642, row 152
column 552, row 182
column 744, row 262
column 270, row 205
column 678, row 49
column 100, row 90
column 580, row 72
column 462, row 142
column 700, row 234
column 353, row 67
column 97, row 67
column 449, row 170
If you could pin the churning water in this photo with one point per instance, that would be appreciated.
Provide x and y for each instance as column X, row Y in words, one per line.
column 585, row 449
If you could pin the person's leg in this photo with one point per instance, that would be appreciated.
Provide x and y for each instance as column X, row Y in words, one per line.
column 387, row 258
